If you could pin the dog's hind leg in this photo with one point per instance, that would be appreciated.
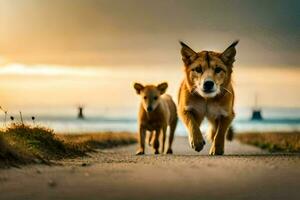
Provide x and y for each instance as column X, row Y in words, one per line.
column 171, row 135
column 211, row 131
column 230, row 134
column 150, row 138
column 164, row 134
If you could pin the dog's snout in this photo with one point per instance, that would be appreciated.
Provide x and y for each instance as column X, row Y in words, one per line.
column 208, row 85
column 149, row 108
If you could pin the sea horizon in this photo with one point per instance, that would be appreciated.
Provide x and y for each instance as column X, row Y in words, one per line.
column 116, row 119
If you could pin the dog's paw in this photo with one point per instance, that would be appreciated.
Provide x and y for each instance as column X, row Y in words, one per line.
column 215, row 150
column 169, row 151
column 197, row 144
column 140, row 152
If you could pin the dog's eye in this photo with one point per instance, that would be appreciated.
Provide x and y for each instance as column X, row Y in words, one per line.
column 156, row 97
column 197, row 69
column 145, row 97
column 218, row 70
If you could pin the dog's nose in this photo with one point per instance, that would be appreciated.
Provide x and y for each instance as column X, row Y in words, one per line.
column 208, row 85
column 149, row 108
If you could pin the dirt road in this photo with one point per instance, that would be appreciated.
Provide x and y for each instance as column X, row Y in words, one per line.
column 243, row 173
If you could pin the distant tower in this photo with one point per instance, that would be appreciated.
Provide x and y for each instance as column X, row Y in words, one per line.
column 256, row 111
column 80, row 112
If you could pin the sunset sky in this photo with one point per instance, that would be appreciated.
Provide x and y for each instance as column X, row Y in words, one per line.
column 61, row 53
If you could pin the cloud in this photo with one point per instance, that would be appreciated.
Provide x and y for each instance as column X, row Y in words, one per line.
column 90, row 32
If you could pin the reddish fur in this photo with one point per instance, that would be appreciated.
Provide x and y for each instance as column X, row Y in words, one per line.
column 157, row 121
column 218, row 109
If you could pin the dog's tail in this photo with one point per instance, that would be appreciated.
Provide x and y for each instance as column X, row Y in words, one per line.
column 230, row 134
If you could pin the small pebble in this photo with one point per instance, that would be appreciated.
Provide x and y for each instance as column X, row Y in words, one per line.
column 51, row 183
column 85, row 164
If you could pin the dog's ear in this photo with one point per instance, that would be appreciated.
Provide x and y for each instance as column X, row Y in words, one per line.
column 138, row 87
column 228, row 56
column 162, row 87
column 188, row 54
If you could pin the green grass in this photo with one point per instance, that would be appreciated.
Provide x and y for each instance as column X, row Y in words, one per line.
column 22, row 144
column 273, row 142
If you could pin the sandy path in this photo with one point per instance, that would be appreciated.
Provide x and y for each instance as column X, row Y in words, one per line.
column 244, row 173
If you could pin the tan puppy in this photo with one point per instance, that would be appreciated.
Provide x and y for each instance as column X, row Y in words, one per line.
column 157, row 112
column 207, row 92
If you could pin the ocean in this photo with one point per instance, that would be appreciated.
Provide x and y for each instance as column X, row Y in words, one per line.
column 274, row 119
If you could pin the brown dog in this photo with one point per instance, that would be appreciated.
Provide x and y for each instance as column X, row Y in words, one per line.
column 157, row 112
column 207, row 92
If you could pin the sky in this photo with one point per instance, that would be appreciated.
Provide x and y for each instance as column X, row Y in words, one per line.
column 70, row 50
column 118, row 32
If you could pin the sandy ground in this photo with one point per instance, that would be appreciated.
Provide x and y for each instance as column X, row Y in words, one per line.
column 245, row 172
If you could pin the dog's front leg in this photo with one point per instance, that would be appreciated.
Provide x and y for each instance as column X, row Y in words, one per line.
column 192, row 123
column 222, row 124
column 142, row 135
column 156, row 141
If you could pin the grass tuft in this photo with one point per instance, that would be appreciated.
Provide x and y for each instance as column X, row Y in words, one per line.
column 273, row 142
column 23, row 144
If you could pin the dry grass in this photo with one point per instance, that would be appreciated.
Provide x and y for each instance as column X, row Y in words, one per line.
column 9, row 155
column 273, row 142
column 102, row 140
column 22, row 144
